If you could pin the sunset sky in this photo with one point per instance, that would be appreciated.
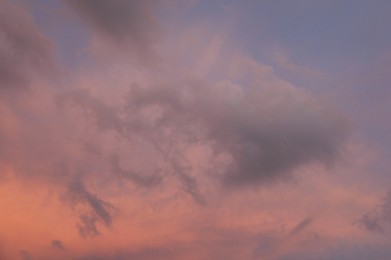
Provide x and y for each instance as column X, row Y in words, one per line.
column 195, row 129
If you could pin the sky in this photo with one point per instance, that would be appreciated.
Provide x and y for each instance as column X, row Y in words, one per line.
column 195, row 129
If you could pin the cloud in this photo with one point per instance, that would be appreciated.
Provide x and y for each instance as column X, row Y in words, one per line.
column 379, row 219
column 24, row 50
column 299, row 227
column 125, row 23
column 259, row 127
column 266, row 131
column 346, row 250
column 98, row 210
column 57, row 244
column 386, row 207
column 104, row 116
column 141, row 254
column 371, row 222
column 140, row 179
column 25, row 255
column 90, row 140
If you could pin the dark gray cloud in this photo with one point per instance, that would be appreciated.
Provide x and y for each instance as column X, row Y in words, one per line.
column 25, row 255
column 141, row 254
column 98, row 211
column 24, row 50
column 386, row 207
column 57, row 244
column 379, row 219
column 265, row 139
column 88, row 225
column 345, row 250
column 270, row 244
column 126, row 23
column 266, row 244
column 371, row 222
column 299, row 227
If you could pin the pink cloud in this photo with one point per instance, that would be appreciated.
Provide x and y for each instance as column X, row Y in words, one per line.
column 207, row 154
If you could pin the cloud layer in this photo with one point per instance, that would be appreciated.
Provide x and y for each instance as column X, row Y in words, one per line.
column 207, row 154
